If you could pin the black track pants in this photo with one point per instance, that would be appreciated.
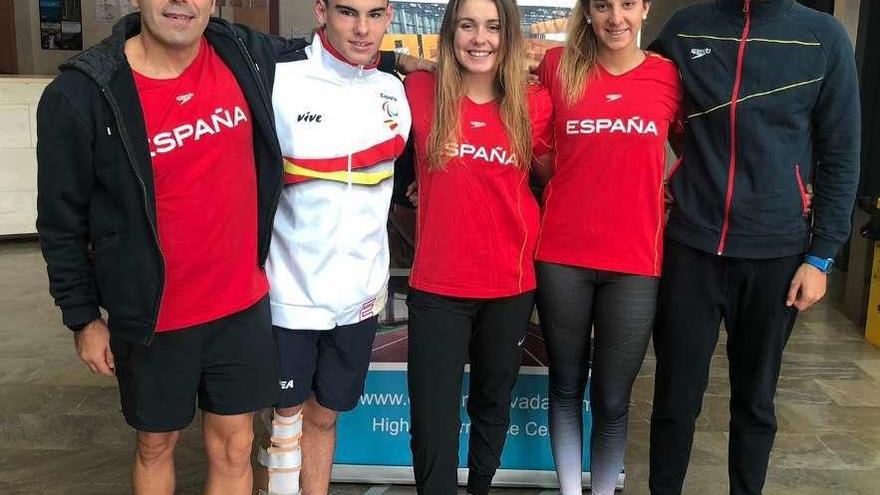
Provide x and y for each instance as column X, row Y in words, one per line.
column 697, row 291
column 443, row 333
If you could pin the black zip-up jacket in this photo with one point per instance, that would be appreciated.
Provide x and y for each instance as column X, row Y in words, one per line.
column 96, row 202
column 772, row 104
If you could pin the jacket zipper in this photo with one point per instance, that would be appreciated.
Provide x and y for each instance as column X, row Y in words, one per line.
column 276, row 194
column 801, row 189
column 123, row 137
column 731, row 173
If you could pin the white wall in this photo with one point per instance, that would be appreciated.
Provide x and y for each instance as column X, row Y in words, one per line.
column 847, row 12
column 18, row 160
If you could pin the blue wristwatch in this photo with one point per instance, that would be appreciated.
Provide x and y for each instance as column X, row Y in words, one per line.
column 823, row 264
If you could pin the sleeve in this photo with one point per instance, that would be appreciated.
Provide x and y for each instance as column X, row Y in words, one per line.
column 677, row 122
column 404, row 173
column 388, row 62
column 543, row 71
column 542, row 123
column 64, row 185
column 836, row 147
column 661, row 44
column 267, row 48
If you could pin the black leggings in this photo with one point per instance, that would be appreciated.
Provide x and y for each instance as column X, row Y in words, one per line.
column 443, row 333
column 571, row 301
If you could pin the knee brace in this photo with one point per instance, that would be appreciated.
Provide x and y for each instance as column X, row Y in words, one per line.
column 283, row 457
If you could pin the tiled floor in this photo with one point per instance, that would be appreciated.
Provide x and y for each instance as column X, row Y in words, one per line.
column 61, row 431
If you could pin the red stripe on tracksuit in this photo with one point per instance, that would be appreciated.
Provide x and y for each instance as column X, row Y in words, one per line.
column 731, row 173
column 382, row 152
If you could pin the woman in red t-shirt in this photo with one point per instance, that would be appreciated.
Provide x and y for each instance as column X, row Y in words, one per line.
column 477, row 124
column 599, row 251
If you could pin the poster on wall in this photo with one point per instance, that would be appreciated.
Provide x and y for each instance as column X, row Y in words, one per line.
column 61, row 25
column 106, row 10
column 373, row 439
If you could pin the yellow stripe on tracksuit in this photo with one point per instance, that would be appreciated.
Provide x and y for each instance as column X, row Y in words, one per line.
column 756, row 95
column 757, row 40
column 362, row 178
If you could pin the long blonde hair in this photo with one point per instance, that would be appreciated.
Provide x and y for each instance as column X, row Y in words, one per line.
column 579, row 55
column 579, row 58
column 510, row 81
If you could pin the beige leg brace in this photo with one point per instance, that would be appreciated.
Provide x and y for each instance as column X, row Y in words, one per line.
column 284, row 457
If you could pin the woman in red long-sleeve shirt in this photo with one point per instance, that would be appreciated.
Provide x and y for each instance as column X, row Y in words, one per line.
column 477, row 124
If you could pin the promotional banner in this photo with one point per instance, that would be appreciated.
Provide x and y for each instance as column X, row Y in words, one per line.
column 373, row 440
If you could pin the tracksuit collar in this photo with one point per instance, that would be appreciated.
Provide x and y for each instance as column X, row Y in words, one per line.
column 760, row 10
column 336, row 58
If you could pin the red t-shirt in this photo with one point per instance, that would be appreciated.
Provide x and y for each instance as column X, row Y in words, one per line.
column 201, row 144
column 477, row 219
column 604, row 205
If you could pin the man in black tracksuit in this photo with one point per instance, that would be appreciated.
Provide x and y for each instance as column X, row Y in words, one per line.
column 772, row 105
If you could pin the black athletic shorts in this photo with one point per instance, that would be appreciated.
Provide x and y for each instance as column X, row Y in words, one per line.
column 332, row 364
column 229, row 364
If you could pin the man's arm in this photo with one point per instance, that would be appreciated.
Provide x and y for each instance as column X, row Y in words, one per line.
column 836, row 147
column 64, row 185
column 660, row 45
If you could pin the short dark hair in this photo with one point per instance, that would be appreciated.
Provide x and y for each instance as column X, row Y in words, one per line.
column 327, row 2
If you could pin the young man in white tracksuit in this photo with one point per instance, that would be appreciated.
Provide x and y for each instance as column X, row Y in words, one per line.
column 341, row 125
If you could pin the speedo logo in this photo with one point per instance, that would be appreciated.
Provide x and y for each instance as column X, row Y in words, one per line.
column 185, row 98
column 633, row 125
column 700, row 52
column 309, row 117
column 165, row 142
column 497, row 154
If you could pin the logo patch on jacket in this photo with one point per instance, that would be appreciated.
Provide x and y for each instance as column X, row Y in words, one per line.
column 389, row 107
column 700, row 52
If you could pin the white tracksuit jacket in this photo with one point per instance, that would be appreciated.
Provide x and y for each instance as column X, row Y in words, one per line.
column 340, row 127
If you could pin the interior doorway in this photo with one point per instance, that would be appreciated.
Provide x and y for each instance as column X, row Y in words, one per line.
column 868, row 55
column 8, row 56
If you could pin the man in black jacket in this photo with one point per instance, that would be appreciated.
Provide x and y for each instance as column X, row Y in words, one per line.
column 159, row 175
column 772, row 105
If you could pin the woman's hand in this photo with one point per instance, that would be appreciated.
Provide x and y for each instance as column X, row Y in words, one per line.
column 412, row 194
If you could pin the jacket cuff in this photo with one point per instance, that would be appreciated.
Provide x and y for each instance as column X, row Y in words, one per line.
column 388, row 62
column 79, row 315
column 822, row 247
